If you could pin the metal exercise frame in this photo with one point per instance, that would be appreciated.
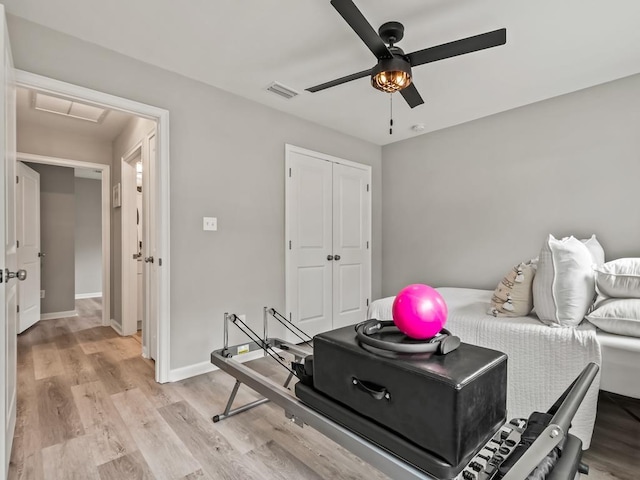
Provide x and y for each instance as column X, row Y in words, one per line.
column 563, row 411
column 294, row 409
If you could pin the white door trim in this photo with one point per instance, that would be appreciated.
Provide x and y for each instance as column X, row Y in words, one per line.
column 105, row 171
column 288, row 148
column 161, row 116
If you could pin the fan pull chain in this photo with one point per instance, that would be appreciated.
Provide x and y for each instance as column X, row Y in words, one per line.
column 391, row 114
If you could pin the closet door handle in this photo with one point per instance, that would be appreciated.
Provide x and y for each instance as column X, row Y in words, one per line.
column 329, row 257
column 336, row 258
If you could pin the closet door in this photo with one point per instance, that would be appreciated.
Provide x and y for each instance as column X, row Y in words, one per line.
column 351, row 253
column 309, row 237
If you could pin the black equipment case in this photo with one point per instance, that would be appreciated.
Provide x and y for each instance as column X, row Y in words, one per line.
column 449, row 405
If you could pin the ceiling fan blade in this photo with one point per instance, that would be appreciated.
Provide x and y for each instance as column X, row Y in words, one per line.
column 339, row 81
column 412, row 96
column 459, row 47
column 362, row 27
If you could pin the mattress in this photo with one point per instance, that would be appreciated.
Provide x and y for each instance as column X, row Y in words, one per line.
column 543, row 361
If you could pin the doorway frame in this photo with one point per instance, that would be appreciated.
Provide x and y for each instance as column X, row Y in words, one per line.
column 162, row 230
column 105, row 211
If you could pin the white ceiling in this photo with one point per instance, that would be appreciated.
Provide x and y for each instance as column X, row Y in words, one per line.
column 107, row 130
column 553, row 47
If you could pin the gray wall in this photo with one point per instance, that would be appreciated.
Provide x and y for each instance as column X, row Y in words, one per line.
column 60, row 143
column 463, row 204
column 227, row 160
column 88, row 236
column 57, row 237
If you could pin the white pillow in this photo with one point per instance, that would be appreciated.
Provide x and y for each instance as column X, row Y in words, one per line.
column 564, row 286
column 618, row 315
column 596, row 250
column 619, row 278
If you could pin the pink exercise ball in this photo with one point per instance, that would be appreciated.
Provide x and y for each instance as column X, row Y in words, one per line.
column 419, row 311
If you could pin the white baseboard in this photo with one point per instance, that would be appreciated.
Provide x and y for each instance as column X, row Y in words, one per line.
column 54, row 315
column 177, row 374
column 116, row 327
column 80, row 296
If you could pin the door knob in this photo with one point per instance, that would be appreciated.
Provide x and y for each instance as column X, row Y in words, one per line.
column 336, row 257
column 20, row 274
column 148, row 259
column 329, row 257
column 41, row 255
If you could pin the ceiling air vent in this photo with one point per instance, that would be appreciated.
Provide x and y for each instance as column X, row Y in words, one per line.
column 284, row 92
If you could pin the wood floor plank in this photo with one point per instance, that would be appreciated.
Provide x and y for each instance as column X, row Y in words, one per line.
column 28, row 468
column 63, row 336
column 208, row 394
column 100, row 417
column 279, row 464
column 58, row 416
column 95, row 334
column 163, row 450
column 216, row 455
column 199, row 475
column 143, row 374
column 130, row 467
column 70, row 460
column 47, row 361
column 239, row 432
column 124, row 347
column 313, row 449
column 77, row 365
column 110, row 372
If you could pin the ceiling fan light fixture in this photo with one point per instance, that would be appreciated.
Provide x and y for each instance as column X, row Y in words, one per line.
column 391, row 75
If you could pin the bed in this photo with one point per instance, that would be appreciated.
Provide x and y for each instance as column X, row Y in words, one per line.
column 543, row 360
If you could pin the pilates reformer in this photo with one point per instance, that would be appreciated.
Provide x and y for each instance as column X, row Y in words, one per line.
column 531, row 442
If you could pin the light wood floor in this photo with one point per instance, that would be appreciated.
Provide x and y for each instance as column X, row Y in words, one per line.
column 88, row 408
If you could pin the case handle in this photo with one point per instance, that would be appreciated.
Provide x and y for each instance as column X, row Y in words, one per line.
column 376, row 391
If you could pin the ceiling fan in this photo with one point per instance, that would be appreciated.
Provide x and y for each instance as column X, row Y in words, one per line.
column 392, row 73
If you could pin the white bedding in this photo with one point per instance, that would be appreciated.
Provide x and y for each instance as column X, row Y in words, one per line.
column 542, row 361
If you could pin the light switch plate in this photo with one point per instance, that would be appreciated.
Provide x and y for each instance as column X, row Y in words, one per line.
column 209, row 224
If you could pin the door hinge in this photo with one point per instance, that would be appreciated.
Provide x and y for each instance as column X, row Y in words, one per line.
column 367, row 244
column 1, row 275
column 17, row 179
column 17, row 243
column 18, row 308
column 367, row 187
column 367, row 302
column 159, row 262
column 289, row 172
column 289, row 244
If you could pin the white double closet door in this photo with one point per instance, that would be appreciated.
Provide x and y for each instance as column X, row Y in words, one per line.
column 328, row 233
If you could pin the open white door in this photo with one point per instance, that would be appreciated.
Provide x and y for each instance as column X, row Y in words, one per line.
column 131, row 254
column 8, row 287
column 28, row 236
column 149, row 212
